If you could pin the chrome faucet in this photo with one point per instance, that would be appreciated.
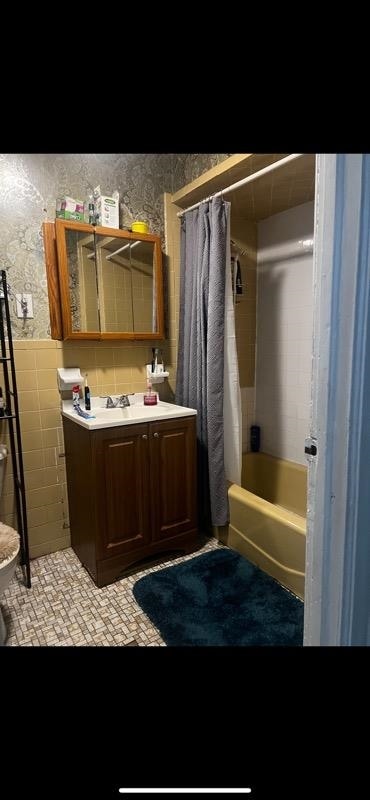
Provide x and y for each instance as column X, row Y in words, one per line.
column 121, row 402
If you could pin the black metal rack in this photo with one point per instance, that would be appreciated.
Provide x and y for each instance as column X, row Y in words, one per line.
column 11, row 414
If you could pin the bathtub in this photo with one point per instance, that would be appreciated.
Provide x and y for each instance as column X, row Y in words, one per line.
column 268, row 517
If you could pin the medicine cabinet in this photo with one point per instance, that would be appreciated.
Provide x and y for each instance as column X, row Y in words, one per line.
column 103, row 283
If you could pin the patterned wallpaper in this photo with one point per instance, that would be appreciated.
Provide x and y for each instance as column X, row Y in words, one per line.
column 30, row 184
column 186, row 167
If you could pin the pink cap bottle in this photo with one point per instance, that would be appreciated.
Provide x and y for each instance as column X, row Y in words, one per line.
column 150, row 398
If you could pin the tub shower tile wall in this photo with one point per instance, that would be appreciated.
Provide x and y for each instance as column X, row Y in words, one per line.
column 284, row 332
column 244, row 234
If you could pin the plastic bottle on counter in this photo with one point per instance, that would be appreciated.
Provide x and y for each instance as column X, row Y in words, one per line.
column 76, row 395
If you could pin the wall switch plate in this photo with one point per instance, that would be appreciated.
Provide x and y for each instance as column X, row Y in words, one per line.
column 24, row 305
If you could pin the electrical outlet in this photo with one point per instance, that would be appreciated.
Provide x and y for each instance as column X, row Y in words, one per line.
column 24, row 305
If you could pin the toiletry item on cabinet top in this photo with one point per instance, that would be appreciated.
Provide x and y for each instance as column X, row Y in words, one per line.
column 106, row 209
column 140, row 227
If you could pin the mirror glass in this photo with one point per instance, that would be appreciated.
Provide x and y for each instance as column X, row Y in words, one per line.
column 82, row 280
column 111, row 281
column 143, row 289
column 115, row 284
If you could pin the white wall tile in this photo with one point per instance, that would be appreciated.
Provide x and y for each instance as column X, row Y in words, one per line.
column 284, row 333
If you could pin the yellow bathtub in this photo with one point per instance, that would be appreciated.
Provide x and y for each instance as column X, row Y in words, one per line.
column 268, row 517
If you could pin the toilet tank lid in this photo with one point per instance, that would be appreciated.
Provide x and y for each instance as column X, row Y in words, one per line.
column 9, row 543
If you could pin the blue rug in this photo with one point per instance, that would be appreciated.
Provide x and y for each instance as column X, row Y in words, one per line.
column 220, row 598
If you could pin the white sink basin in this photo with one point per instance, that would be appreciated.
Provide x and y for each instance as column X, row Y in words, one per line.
column 135, row 413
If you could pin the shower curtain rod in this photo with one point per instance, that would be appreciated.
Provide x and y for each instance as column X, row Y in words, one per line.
column 249, row 178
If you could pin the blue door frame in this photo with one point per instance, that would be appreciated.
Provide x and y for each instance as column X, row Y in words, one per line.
column 337, row 595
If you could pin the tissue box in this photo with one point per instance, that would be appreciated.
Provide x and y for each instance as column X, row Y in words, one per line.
column 107, row 210
column 69, row 208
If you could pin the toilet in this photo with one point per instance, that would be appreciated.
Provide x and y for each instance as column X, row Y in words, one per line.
column 9, row 550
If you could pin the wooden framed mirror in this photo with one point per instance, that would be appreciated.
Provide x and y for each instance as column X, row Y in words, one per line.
column 108, row 283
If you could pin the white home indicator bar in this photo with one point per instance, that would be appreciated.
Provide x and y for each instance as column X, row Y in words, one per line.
column 185, row 791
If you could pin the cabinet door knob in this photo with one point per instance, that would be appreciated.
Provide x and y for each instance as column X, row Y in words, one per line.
column 144, row 436
column 156, row 435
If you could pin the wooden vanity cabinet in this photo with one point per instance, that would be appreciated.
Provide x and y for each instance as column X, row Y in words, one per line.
column 131, row 493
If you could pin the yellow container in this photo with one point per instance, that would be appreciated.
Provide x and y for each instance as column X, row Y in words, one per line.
column 140, row 227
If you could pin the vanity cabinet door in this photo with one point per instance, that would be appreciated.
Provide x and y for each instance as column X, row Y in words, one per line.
column 173, row 477
column 122, row 470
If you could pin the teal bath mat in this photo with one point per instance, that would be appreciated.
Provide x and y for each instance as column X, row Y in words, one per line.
column 220, row 598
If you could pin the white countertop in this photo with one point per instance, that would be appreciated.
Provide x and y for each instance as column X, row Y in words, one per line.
column 135, row 413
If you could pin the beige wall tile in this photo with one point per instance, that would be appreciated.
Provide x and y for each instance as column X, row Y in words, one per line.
column 31, row 440
column 105, row 375
column 35, row 459
column 51, row 457
column 8, row 485
column 7, row 505
column 47, row 379
column 49, row 398
column 28, row 401
column 30, row 421
column 34, row 479
column 55, row 512
column 43, row 497
column 123, row 374
column 61, row 473
column 38, row 550
column 24, row 359
column 50, row 419
column 83, row 357
column 34, row 344
column 120, row 356
column 123, row 388
column 36, row 516
column 106, row 388
column 50, row 437
column 46, row 532
column 104, row 358
column 26, row 380
column 46, row 359
column 51, row 476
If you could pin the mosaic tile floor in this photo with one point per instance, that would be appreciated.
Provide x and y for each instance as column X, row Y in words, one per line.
column 64, row 607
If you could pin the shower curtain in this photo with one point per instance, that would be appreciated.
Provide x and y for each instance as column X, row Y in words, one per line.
column 205, row 265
